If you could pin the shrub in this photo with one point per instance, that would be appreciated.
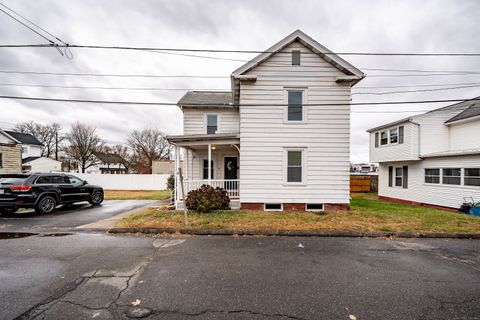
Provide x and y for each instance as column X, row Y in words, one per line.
column 171, row 182
column 207, row 199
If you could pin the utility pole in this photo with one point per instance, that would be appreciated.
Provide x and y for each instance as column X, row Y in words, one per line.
column 56, row 145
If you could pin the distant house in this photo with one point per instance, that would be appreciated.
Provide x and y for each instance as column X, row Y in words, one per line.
column 108, row 163
column 280, row 140
column 431, row 158
column 164, row 166
column 31, row 154
column 10, row 154
column 364, row 168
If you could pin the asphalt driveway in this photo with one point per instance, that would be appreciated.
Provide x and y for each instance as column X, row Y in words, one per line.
column 98, row 276
column 67, row 217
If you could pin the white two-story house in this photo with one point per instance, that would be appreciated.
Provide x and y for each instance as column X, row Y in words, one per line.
column 280, row 140
column 431, row 158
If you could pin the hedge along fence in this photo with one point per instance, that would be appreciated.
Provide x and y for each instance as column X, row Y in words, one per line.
column 363, row 183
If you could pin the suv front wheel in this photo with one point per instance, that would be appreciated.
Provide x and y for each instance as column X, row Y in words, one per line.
column 96, row 198
column 46, row 205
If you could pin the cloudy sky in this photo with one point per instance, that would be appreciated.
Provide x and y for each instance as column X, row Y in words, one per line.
column 342, row 26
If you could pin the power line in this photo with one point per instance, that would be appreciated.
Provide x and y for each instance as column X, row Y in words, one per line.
column 27, row 26
column 219, row 89
column 475, row 54
column 223, row 105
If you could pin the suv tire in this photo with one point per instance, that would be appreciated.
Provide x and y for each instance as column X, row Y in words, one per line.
column 96, row 198
column 46, row 205
column 8, row 210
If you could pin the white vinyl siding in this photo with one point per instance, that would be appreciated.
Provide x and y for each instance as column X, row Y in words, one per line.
column 265, row 135
column 447, row 195
column 465, row 135
column 194, row 120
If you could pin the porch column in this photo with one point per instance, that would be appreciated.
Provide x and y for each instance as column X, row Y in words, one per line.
column 209, row 164
column 185, row 161
column 177, row 149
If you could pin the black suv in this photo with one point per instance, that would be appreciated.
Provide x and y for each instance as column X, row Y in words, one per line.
column 44, row 191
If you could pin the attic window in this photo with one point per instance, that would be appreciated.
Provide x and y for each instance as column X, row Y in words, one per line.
column 295, row 57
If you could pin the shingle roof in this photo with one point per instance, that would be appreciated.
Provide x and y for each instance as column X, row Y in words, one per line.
column 109, row 157
column 24, row 138
column 470, row 112
column 206, row 98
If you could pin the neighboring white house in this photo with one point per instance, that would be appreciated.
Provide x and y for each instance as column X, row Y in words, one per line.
column 281, row 139
column 32, row 160
column 432, row 158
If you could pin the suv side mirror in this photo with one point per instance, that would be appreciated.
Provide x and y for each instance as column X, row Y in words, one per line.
column 85, row 182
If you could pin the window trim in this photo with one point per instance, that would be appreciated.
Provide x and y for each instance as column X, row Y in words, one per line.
column 304, row 166
column 304, row 91
column 205, row 121
column 390, row 136
column 460, row 176
column 400, row 138
column 272, row 203
column 386, row 132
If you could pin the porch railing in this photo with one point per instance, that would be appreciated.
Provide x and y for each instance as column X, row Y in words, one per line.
column 231, row 186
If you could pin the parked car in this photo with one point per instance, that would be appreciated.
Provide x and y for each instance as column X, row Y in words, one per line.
column 45, row 191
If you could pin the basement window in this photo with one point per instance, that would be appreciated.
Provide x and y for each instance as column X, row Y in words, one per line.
column 295, row 57
column 318, row 207
column 273, row 206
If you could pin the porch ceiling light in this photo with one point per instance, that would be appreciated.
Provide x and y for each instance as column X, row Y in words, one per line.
column 214, row 147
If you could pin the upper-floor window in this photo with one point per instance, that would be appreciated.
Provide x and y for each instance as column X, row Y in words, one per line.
column 295, row 112
column 211, row 123
column 389, row 136
column 295, row 57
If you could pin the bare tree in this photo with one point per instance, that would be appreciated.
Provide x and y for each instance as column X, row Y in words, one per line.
column 123, row 151
column 48, row 134
column 148, row 145
column 83, row 143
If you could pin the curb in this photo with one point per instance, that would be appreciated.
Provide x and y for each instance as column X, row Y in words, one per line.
column 296, row 233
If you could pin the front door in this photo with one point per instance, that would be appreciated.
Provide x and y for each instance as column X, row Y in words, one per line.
column 230, row 172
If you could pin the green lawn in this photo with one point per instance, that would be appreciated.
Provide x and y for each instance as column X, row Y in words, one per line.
column 366, row 213
column 137, row 194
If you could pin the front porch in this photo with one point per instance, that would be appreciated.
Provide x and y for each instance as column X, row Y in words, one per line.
column 212, row 159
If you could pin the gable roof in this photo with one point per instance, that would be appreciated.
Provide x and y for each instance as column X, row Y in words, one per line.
column 206, row 98
column 471, row 112
column 9, row 136
column 28, row 159
column 353, row 74
column 109, row 157
column 24, row 138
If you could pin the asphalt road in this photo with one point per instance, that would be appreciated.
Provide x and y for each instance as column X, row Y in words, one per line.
column 67, row 217
column 96, row 276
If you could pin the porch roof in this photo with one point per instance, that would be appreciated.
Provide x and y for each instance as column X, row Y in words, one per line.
column 196, row 139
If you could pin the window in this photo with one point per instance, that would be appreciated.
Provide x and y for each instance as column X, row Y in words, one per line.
column 273, row 206
column 44, row 180
column 1, row 160
column 400, row 134
column 451, row 176
column 394, row 135
column 205, row 168
column 432, row 175
column 472, row 177
column 383, row 138
column 58, row 180
column 377, row 139
column 314, row 207
column 295, row 108
column 212, row 123
column 24, row 150
column 294, row 166
column 76, row 182
column 295, row 57
column 399, row 177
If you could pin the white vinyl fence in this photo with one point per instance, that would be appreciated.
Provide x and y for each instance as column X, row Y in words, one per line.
column 126, row 181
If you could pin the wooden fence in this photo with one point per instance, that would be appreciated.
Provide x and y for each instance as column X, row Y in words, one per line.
column 363, row 183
